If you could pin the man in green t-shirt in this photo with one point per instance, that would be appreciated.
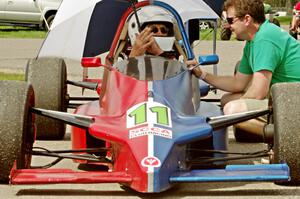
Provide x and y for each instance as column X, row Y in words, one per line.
column 270, row 56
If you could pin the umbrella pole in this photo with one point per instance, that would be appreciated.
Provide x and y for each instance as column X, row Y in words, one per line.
column 43, row 16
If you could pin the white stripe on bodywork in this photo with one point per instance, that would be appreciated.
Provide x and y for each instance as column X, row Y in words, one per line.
column 150, row 143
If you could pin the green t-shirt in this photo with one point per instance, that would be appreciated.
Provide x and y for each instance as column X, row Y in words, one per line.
column 272, row 49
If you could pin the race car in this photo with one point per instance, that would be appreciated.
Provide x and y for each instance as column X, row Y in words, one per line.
column 148, row 127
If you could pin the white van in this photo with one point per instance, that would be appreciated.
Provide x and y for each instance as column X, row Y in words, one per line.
column 28, row 12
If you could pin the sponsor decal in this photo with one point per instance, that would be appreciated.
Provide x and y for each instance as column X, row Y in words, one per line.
column 149, row 118
column 144, row 131
column 151, row 161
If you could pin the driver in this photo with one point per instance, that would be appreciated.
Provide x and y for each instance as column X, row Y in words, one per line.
column 157, row 33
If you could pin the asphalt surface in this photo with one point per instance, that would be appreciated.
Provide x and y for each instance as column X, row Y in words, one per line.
column 14, row 54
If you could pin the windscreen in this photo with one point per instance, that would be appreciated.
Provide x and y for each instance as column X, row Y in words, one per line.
column 150, row 68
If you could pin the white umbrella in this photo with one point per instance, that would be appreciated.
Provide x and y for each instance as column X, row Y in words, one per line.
column 68, row 33
column 86, row 28
column 192, row 9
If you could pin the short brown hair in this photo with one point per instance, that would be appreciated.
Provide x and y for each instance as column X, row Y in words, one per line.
column 254, row 8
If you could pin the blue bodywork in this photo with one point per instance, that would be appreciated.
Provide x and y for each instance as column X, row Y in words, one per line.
column 264, row 172
column 189, row 125
column 191, row 128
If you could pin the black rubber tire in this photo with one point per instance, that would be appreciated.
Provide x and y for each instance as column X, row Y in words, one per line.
column 276, row 22
column 244, row 136
column 49, row 21
column 292, row 33
column 16, row 126
column 225, row 34
column 48, row 77
column 286, row 103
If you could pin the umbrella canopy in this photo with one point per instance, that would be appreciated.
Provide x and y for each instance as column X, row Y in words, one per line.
column 192, row 9
column 216, row 5
column 87, row 28
column 80, row 24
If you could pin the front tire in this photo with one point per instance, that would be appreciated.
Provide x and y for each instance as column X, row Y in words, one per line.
column 49, row 21
column 48, row 77
column 16, row 126
column 276, row 22
column 286, row 117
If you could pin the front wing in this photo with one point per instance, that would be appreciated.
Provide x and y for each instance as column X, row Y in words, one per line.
column 263, row 172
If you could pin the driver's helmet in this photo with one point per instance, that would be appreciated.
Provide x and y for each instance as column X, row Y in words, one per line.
column 151, row 15
column 297, row 9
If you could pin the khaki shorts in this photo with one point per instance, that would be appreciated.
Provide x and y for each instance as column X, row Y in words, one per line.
column 254, row 104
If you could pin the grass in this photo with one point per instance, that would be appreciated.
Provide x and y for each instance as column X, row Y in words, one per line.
column 285, row 20
column 208, row 34
column 11, row 76
column 21, row 32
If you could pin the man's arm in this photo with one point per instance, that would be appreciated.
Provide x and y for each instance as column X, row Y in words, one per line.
column 233, row 84
column 260, row 84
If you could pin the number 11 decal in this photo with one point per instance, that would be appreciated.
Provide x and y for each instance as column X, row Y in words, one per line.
column 149, row 113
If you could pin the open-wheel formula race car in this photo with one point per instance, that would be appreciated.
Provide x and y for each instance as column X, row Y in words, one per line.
column 148, row 127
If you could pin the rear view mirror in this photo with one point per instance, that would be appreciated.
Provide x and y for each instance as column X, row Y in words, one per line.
column 90, row 62
column 208, row 59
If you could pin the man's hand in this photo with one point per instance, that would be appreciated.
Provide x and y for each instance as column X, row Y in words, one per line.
column 145, row 42
column 142, row 43
column 194, row 66
column 191, row 64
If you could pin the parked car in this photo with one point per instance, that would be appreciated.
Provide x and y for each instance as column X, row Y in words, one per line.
column 28, row 12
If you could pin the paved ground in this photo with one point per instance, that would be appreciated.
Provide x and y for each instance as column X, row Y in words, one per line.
column 14, row 54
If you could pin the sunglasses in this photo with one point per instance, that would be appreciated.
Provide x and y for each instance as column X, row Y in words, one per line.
column 162, row 29
column 231, row 20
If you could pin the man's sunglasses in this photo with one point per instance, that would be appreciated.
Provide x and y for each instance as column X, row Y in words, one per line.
column 231, row 20
column 163, row 30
